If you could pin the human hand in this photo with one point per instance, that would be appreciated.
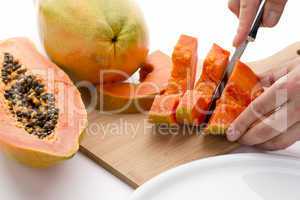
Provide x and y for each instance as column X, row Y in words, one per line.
column 246, row 11
column 272, row 121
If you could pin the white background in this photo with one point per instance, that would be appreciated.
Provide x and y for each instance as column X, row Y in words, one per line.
column 210, row 21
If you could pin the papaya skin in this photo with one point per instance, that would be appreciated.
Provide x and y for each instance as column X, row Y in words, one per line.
column 130, row 98
column 242, row 88
column 33, row 158
column 63, row 143
column 94, row 39
column 194, row 104
column 184, row 69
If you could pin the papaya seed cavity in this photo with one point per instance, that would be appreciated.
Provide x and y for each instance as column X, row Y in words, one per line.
column 27, row 99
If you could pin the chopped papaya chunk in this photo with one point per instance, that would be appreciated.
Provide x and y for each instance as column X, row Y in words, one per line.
column 193, row 106
column 195, row 103
column 215, row 64
column 242, row 88
column 223, row 115
column 163, row 109
column 184, row 58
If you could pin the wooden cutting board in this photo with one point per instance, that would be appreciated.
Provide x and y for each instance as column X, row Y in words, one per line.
column 132, row 149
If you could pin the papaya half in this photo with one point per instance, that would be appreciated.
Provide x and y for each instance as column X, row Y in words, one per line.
column 137, row 97
column 184, row 67
column 194, row 104
column 42, row 113
column 242, row 88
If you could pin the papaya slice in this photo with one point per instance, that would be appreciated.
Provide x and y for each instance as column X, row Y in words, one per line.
column 242, row 88
column 195, row 103
column 215, row 64
column 164, row 108
column 42, row 113
column 184, row 58
column 138, row 97
column 223, row 116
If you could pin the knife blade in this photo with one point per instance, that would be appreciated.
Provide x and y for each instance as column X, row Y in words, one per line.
column 236, row 56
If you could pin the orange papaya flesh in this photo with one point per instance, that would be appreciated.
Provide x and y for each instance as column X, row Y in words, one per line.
column 243, row 87
column 138, row 97
column 157, row 70
column 42, row 113
column 184, row 58
column 163, row 109
column 194, row 104
column 223, row 116
column 215, row 64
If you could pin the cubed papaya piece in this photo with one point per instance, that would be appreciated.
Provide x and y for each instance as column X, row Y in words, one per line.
column 193, row 106
column 184, row 58
column 163, row 109
column 215, row 64
column 243, row 87
column 223, row 116
column 195, row 103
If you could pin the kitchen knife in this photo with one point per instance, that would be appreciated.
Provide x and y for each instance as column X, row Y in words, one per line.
column 236, row 56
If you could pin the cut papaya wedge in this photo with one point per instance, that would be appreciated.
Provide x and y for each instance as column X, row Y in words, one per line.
column 243, row 87
column 137, row 97
column 223, row 116
column 184, row 58
column 215, row 64
column 195, row 103
column 42, row 113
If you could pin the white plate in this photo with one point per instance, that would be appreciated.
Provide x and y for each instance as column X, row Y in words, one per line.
column 234, row 177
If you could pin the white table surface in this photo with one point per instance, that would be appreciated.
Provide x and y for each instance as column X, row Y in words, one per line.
column 80, row 178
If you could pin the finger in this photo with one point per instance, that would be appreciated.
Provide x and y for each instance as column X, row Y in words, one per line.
column 248, row 10
column 285, row 89
column 272, row 126
column 234, row 6
column 284, row 140
column 273, row 12
column 270, row 77
column 271, row 99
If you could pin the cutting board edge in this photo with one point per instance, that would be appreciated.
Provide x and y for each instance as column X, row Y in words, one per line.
column 132, row 183
column 108, row 167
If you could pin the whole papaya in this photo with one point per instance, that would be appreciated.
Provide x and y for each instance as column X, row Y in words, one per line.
column 100, row 41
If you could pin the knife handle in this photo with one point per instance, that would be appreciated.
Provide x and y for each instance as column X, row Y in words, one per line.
column 257, row 23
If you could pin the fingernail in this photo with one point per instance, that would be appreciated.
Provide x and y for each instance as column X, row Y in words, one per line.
column 233, row 135
column 235, row 41
column 272, row 18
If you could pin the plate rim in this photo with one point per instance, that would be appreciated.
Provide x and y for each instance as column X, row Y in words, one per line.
column 208, row 161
